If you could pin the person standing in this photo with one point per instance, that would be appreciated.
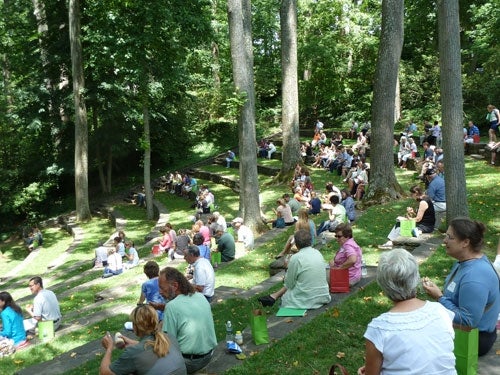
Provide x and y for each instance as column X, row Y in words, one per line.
column 472, row 288
column 493, row 118
column 45, row 306
column 203, row 277
column 229, row 158
column 188, row 318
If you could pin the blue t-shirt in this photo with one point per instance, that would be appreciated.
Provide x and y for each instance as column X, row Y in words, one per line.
column 151, row 290
column 204, row 251
column 315, row 206
column 436, row 190
column 13, row 327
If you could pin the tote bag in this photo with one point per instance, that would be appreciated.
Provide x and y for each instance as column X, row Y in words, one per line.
column 339, row 280
column 258, row 325
column 406, row 226
column 46, row 330
column 466, row 347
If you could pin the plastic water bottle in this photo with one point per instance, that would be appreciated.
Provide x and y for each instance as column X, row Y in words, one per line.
column 323, row 239
column 229, row 332
column 364, row 270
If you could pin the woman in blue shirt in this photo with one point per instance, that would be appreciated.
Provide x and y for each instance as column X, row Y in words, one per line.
column 471, row 290
column 12, row 320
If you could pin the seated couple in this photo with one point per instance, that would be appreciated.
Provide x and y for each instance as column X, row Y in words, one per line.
column 305, row 284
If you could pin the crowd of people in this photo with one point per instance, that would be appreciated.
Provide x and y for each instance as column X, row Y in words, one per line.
column 173, row 320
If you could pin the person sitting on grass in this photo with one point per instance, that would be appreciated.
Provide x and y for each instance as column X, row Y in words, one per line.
column 349, row 255
column 224, row 244
column 336, row 216
column 12, row 321
column 415, row 336
column 115, row 264
column 131, row 254
column 302, row 223
column 150, row 290
column 425, row 217
column 155, row 353
column 303, row 288
column 314, row 204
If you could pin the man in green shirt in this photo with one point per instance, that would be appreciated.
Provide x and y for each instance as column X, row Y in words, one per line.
column 294, row 204
column 225, row 244
column 306, row 286
column 188, row 318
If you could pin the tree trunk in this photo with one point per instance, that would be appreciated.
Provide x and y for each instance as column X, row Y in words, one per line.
column 290, row 90
column 240, row 35
column 147, row 161
column 452, row 111
column 109, row 172
column 100, row 168
column 383, row 185
column 81, row 128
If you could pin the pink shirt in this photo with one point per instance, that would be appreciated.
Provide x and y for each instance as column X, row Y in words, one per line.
column 349, row 248
column 205, row 232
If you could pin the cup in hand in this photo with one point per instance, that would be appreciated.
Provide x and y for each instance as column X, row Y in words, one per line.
column 119, row 342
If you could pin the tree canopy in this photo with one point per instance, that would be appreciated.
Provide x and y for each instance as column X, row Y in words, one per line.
column 176, row 54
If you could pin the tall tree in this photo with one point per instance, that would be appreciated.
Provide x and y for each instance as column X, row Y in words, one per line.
column 289, row 89
column 81, row 128
column 240, row 34
column 451, row 104
column 383, row 185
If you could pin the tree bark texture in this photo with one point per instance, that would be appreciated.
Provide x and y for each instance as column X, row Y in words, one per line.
column 290, row 88
column 383, row 185
column 81, row 128
column 452, row 109
column 240, row 35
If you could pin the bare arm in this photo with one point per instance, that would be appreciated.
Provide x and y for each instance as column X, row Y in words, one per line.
column 422, row 207
column 107, row 343
column 374, row 359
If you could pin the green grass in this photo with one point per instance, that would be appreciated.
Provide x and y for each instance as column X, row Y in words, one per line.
column 309, row 350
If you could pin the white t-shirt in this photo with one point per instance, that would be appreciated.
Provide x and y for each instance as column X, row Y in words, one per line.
column 416, row 342
column 204, row 275
column 46, row 305
column 245, row 235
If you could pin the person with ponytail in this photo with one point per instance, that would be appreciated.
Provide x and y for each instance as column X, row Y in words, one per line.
column 472, row 288
column 12, row 320
column 156, row 353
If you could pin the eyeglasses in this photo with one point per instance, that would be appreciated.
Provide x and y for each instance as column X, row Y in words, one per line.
column 31, row 285
column 448, row 237
column 338, row 236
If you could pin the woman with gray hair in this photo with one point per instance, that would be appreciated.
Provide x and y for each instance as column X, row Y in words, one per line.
column 415, row 336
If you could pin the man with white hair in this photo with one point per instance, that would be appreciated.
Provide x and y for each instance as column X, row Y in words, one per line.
column 245, row 234
column 220, row 220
